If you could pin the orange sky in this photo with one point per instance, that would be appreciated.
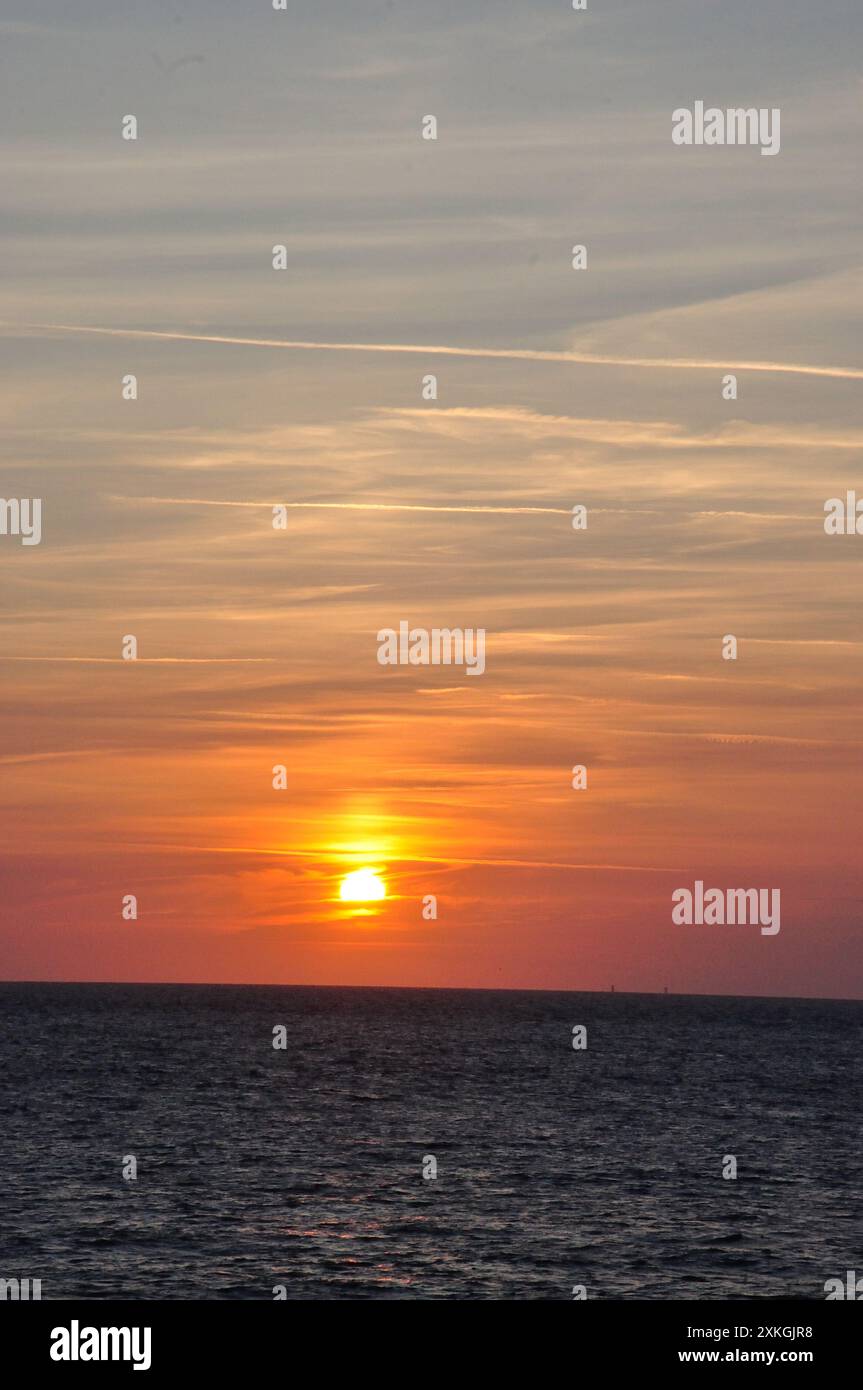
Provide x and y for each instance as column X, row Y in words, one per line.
column 258, row 647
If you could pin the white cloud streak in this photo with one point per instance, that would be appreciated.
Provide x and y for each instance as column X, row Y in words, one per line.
column 509, row 354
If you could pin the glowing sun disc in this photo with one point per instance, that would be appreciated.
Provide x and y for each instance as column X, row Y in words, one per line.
column 362, row 886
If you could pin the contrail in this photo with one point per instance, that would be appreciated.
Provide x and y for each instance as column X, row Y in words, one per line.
column 346, row 506
column 510, row 354
column 345, row 857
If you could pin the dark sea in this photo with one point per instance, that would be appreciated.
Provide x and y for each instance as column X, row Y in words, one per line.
column 303, row 1167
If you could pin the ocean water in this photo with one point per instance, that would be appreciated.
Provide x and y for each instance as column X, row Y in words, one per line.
column 304, row 1167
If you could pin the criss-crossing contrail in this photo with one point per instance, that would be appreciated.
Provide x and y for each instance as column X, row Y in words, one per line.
column 510, row 354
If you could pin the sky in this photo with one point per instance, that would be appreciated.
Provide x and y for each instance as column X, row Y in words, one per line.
column 257, row 647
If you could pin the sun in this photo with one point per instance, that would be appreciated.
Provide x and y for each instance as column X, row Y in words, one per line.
column 362, row 886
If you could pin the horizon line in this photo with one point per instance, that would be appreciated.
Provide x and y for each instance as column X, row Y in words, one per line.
column 452, row 989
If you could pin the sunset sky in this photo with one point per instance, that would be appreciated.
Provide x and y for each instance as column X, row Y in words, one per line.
column 258, row 646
